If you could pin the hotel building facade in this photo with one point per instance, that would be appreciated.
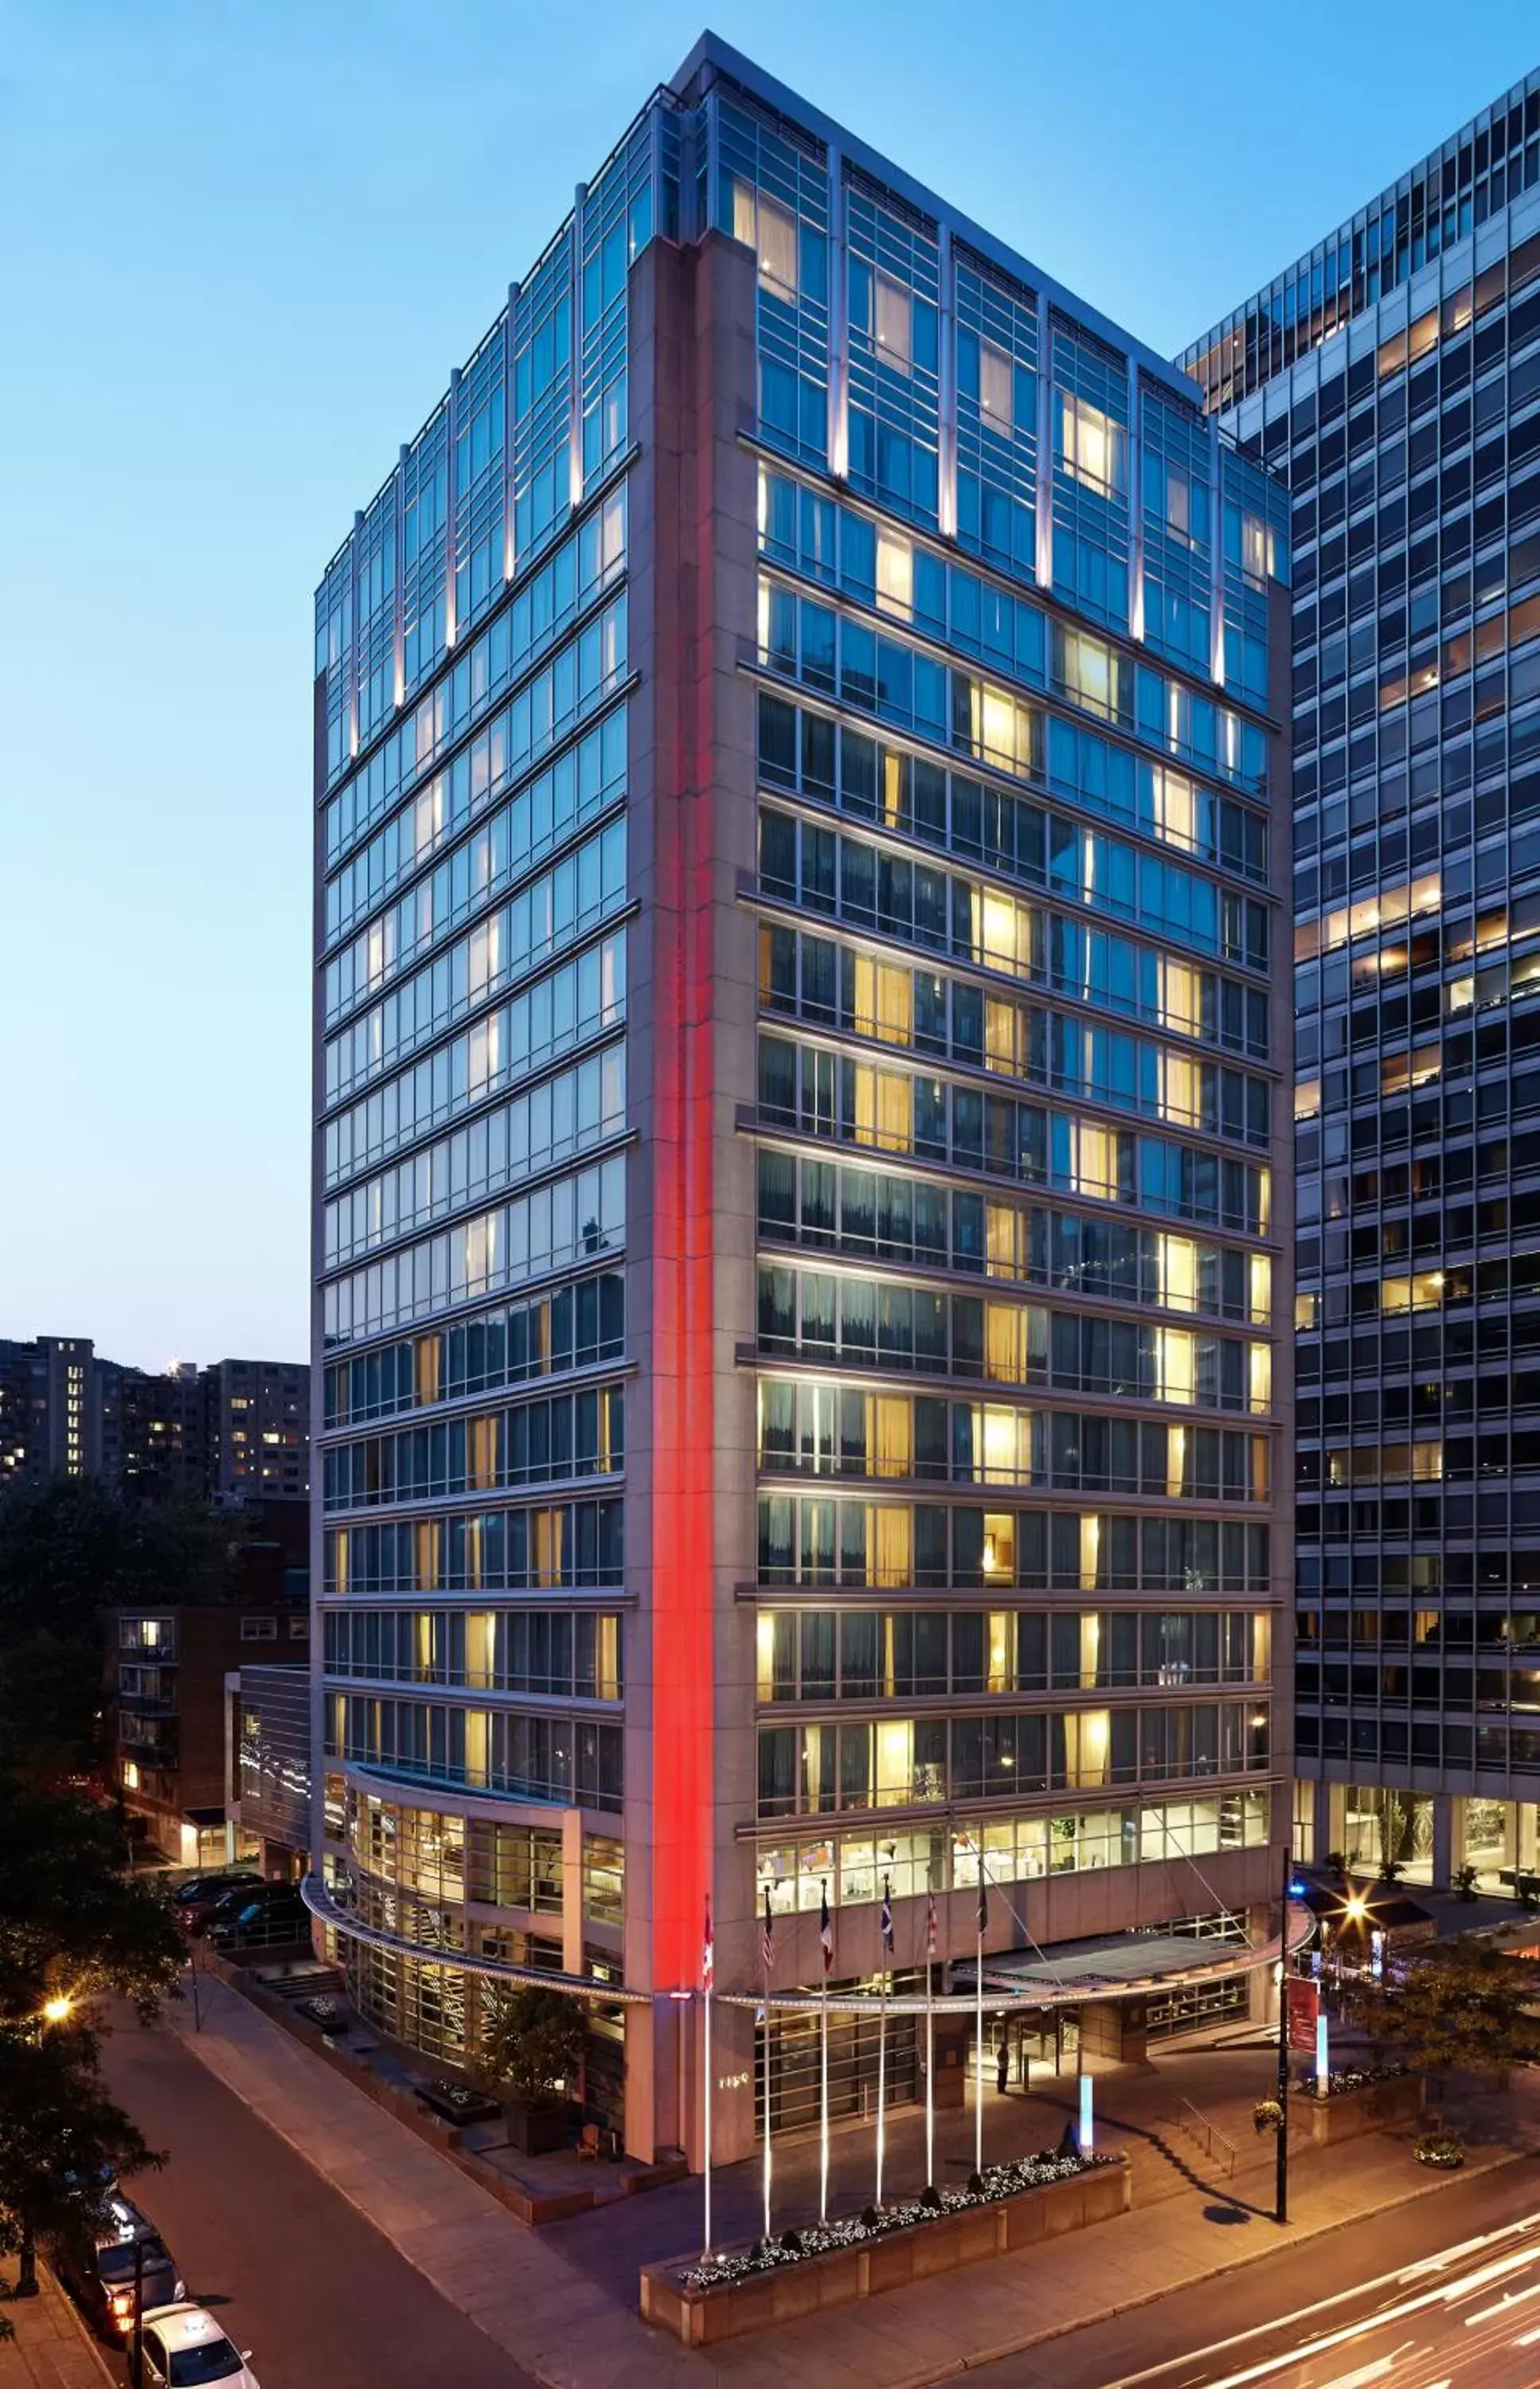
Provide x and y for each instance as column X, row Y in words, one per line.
column 803, row 1213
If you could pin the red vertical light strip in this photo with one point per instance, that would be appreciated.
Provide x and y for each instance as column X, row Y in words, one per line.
column 683, row 1263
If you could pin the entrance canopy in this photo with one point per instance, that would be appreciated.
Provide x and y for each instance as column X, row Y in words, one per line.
column 1117, row 1964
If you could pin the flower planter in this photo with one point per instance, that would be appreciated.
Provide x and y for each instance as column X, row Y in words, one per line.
column 1367, row 2107
column 962, row 2232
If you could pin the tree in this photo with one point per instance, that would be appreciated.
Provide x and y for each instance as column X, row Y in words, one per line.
column 72, row 1921
column 63, row 2141
column 1463, row 2006
column 51, row 1697
column 70, row 1548
column 73, row 1924
column 533, row 2040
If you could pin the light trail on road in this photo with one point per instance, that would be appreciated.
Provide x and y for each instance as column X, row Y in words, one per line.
column 1416, row 2333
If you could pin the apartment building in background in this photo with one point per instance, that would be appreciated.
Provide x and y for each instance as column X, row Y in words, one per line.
column 1392, row 377
column 802, row 1206
column 50, row 1418
column 238, row 1430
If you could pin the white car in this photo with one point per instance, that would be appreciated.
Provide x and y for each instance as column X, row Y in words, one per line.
column 185, row 2346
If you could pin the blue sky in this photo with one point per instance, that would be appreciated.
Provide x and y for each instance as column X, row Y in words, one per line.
column 245, row 244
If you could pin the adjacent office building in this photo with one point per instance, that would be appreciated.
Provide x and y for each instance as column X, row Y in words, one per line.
column 803, row 1212
column 1392, row 375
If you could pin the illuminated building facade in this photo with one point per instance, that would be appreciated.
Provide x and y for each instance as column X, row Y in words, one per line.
column 802, row 1206
column 1391, row 377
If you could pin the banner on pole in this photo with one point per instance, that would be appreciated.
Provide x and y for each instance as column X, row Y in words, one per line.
column 1304, row 2001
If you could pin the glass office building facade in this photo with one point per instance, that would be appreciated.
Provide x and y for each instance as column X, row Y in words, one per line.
column 1393, row 378
column 803, row 1217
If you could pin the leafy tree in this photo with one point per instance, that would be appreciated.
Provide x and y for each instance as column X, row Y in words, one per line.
column 533, row 2040
column 72, row 1921
column 51, row 1697
column 73, row 1924
column 1463, row 2006
column 63, row 2139
column 70, row 1548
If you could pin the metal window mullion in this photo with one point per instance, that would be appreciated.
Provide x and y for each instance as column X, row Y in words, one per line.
column 575, row 370
column 839, row 328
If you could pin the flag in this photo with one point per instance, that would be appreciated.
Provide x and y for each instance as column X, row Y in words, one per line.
column 825, row 1930
column 708, row 1954
column 887, row 1916
column 930, row 1924
column 767, row 1935
column 983, row 1904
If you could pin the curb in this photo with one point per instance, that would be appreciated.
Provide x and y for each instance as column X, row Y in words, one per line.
column 1022, row 2344
column 80, row 2327
column 1018, row 2345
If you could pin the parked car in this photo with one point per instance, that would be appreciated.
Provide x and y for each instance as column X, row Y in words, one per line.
column 196, row 1901
column 259, row 1918
column 185, row 2348
column 98, row 2270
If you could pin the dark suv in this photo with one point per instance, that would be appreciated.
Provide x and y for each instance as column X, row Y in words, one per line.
column 273, row 1915
column 97, row 2268
column 196, row 1901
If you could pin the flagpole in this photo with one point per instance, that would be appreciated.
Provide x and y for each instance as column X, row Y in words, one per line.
column 767, row 1947
column 825, row 1936
column 708, row 2106
column 823, row 2107
column 882, row 2082
column 882, row 2035
column 930, row 2042
column 978, row 2024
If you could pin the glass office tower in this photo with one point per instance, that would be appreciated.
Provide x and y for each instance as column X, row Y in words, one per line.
column 803, row 1217
column 1392, row 375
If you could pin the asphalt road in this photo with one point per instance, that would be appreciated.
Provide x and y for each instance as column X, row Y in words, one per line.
column 323, row 2300
column 1462, row 2296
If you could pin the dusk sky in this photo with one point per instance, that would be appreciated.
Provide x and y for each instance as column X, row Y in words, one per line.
column 245, row 244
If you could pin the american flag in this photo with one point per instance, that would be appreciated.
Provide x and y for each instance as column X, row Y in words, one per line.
column 767, row 1935
column 930, row 1924
column 708, row 1953
column 825, row 1929
column 887, row 1916
column 983, row 1904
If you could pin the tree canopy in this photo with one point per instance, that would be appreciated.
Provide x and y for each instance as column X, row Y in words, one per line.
column 69, row 1549
column 64, row 2137
column 73, row 1920
column 533, row 2040
column 1462, row 2007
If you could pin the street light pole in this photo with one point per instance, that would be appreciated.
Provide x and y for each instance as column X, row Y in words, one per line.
column 1282, row 2205
column 136, row 2354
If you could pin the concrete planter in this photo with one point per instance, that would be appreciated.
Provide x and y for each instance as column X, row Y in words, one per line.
column 915, row 2253
column 1373, row 2107
column 536, row 2131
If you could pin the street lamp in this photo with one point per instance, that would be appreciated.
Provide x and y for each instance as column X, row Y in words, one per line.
column 57, row 2009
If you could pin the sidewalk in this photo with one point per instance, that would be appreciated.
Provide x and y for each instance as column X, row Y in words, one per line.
column 52, row 2348
column 562, row 2301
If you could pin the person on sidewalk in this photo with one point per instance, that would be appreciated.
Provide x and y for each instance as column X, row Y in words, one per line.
column 1002, row 2068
